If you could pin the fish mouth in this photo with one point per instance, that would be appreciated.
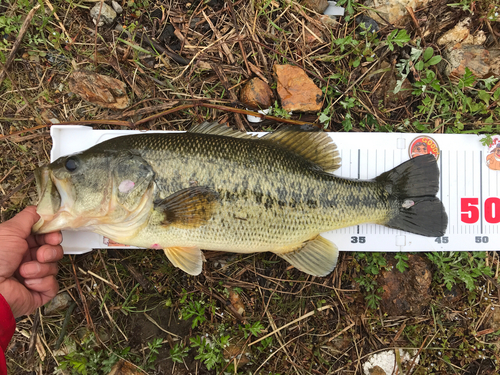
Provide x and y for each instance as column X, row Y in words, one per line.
column 52, row 202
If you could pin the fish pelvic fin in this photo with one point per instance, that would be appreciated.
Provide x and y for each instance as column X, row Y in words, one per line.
column 317, row 257
column 412, row 188
column 317, row 147
column 188, row 208
column 188, row 259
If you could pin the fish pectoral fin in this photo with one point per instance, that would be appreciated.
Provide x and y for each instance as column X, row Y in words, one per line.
column 188, row 259
column 188, row 208
column 317, row 147
column 318, row 257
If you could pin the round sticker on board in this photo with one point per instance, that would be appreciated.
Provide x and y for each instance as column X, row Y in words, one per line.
column 422, row 146
column 493, row 154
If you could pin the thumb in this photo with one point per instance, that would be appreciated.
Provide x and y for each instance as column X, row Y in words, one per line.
column 20, row 225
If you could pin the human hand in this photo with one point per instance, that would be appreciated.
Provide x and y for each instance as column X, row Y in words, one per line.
column 28, row 263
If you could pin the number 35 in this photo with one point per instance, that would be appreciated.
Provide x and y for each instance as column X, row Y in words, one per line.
column 355, row 239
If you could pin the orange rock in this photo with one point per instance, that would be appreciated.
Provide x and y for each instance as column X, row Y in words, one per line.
column 123, row 367
column 481, row 61
column 98, row 89
column 310, row 38
column 256, row 94
column 236, row 302
column 297, row 91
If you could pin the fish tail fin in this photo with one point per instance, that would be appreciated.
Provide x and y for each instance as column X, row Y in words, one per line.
column 413, row 186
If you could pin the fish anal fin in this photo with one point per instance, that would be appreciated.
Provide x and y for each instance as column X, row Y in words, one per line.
column 188, row 259
column 215, row 128
column 188, row 208
column 317, row 257
column 317, row 147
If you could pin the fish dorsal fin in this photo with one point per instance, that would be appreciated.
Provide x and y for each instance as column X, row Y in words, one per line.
column 188, row 259
column 317, row 257
column 188, row 208
column 215, row 128
column 316, row 147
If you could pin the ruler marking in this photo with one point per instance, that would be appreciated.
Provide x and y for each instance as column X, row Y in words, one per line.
column 359, row 174
column 481, row 190
column 441, row 176
column 457, row 196
column 473, row 170
column 375, row 230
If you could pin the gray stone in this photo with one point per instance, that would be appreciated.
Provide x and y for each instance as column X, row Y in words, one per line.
column 392, row 11
column 60, row 302
column 108, row 14
column 117, row 7
column 384, row 363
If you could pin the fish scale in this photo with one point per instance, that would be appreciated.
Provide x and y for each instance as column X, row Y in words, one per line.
column 216, row 189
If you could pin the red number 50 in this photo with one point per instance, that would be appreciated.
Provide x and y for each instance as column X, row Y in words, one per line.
column 470, row 211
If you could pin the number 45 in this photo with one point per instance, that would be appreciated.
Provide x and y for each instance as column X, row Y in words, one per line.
column 441, row 240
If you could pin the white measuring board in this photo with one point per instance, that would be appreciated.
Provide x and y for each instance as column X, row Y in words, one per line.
column 469, row 187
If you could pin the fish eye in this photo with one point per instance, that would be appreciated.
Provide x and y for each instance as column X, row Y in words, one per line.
column 71, row 164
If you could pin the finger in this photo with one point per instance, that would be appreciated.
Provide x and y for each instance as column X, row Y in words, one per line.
column 42, row 289
column 20, row 225
column 48, row 253
column 34, row 270
column 54, row 238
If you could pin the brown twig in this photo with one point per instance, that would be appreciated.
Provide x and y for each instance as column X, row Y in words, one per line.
column 18, row 41
column 33, row 337
column 7, row 174
column 417, row 26
column 174, row 56
column 116, row 66
column 240, row 43
column 17, row 188
column 82, row 296
column 146, row 285
column 95, row 31
column 220, row 73
column 310, row 313
column 224, row 301
column 492, row 33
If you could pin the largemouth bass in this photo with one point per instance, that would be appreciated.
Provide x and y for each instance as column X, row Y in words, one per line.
column 214, row 188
